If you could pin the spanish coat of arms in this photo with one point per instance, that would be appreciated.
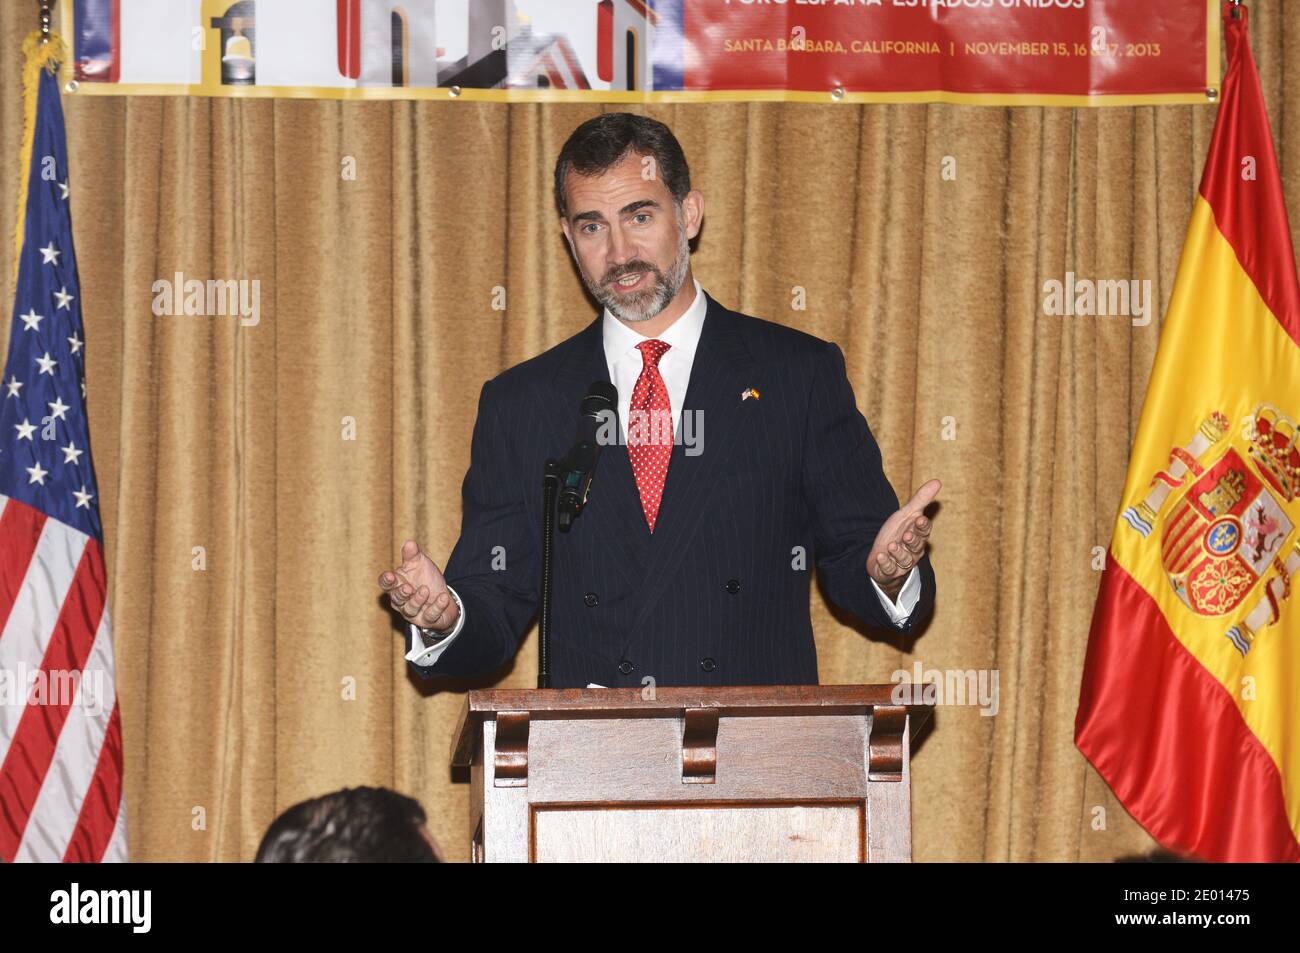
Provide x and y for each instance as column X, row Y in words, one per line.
column 1227, row 502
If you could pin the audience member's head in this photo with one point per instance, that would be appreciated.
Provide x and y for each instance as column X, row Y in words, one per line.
column 355, row 825
column 1157, row 856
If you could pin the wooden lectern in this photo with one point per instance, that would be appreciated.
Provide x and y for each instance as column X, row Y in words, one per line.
column 776, row 773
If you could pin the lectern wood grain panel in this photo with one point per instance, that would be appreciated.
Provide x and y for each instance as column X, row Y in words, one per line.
column 773, row 773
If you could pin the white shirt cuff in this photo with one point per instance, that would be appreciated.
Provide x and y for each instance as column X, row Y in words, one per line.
column 908, row 596
column 426, row 655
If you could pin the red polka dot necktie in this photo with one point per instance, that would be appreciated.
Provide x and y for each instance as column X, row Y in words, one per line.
column 650, row 429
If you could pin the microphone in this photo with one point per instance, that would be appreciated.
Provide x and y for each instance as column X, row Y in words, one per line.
column 578, row 466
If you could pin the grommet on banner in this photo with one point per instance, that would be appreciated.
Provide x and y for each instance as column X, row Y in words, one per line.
column 1212, row 94
column 453, row 91
column 45, row 21
column 837, row 93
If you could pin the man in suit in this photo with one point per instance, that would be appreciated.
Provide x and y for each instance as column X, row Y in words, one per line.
column 741, row 462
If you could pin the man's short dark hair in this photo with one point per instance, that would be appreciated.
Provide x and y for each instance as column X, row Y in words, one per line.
column 600, row 143
column 355, row 825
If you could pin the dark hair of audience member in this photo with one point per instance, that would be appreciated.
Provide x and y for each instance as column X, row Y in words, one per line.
column 355, row 825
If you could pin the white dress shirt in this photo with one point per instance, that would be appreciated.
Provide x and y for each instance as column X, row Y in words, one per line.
column 625, row 364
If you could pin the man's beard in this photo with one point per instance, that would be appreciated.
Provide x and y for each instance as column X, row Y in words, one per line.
column 644, row 304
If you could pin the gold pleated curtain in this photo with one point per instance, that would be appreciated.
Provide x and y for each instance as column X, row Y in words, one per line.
column 255, row 479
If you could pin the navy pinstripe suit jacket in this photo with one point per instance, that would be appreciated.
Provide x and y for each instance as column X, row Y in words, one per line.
column 717, row 595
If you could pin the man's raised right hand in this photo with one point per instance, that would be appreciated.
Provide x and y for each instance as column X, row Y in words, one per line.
column 418, row 591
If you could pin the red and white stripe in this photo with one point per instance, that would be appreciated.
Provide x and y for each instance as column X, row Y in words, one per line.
column 60, row 758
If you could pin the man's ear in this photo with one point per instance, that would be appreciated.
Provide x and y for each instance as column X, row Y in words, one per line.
column 693, row 212
column 564, row 226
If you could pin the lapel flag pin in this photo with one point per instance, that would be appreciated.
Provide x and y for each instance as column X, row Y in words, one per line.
column 749, row 392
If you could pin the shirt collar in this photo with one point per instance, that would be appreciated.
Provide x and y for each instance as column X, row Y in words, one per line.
column 683, row 334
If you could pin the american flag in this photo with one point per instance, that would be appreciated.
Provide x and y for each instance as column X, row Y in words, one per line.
column 60, row 729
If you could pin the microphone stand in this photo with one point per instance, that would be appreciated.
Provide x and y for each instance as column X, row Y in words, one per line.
column 550, row 489
column 572, row 473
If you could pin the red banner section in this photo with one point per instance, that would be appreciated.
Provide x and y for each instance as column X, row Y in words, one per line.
column 1064, row 52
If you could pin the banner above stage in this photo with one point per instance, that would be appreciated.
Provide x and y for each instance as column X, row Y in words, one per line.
column 982, row 52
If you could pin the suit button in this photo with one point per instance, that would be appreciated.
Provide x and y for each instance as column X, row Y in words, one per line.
column 591, row 599
column 626, row 667
column 732, row 586
column 708, row 664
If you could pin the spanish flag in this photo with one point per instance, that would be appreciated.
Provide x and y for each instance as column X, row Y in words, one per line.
column 1190, row 704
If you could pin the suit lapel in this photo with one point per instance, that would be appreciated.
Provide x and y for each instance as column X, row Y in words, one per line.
column 630, row 539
